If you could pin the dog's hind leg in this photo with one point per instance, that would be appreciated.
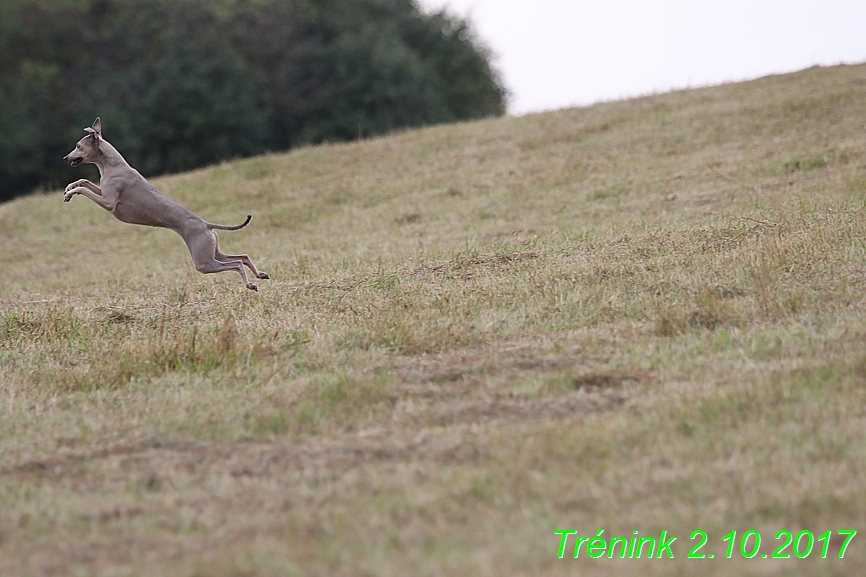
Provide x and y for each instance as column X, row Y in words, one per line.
column 245, row 259
column 220, row 266
column 203, row 250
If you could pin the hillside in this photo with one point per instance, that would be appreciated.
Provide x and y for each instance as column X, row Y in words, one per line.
column 645, row 315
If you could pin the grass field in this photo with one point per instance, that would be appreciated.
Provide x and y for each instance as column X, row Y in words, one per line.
column 646, row 315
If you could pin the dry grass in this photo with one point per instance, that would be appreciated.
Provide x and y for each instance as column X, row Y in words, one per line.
column 640, row 315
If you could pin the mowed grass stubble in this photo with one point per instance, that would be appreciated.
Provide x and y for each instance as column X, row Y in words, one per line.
column 644, row 315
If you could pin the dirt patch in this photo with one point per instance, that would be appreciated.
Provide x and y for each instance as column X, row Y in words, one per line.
column 510, row 383
column 611, row 379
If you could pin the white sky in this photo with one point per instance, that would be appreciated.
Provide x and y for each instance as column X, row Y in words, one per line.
column 559, row 53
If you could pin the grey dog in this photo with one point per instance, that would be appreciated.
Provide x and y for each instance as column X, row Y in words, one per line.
column 129, row 197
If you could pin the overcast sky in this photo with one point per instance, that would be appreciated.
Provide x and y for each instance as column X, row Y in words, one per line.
column 559, row 53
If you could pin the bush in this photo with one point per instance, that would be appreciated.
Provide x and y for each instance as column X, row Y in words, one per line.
column 184, row 83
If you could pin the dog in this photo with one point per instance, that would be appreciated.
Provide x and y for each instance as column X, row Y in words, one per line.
column 130, row 198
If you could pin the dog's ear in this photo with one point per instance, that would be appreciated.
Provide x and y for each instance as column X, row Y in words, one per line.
column 96, row 130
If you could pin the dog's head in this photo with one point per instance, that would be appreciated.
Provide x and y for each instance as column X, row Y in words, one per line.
column 87, row 148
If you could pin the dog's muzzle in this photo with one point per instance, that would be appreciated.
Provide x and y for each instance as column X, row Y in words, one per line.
column 73, row 162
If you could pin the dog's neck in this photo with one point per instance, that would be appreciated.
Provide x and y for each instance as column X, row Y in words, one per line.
column 108, row 157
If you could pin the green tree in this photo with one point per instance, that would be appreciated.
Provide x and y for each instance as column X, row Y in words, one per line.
column 184, row 83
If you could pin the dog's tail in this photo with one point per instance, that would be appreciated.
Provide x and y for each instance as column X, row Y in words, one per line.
column 223, row 227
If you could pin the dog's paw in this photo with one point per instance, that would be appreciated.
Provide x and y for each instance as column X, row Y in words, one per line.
column 67, row 197
column 74, row 185
column 263, row 275
column 252, row 287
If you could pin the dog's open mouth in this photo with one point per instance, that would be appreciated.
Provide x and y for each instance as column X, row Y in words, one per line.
column 75, row 162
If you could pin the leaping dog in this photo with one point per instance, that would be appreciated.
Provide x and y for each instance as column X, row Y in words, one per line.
column 129, row 197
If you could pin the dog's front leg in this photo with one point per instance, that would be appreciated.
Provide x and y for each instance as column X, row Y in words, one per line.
column 97, row 198
column 86, row 184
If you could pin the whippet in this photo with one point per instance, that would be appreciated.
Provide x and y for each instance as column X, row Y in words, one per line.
column 129, row 197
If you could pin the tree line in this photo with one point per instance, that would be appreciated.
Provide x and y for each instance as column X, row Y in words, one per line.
column 184, row 83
